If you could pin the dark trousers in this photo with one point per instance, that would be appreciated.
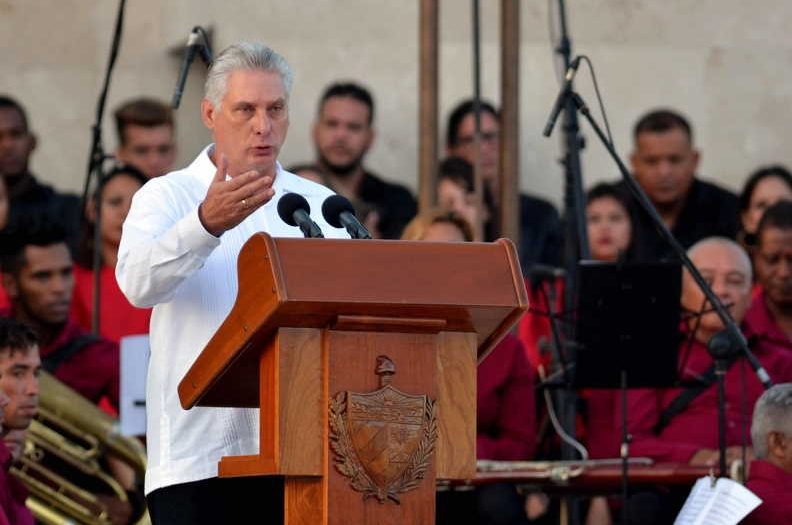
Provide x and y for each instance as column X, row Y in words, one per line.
column 655, row 508
column 219, row 501
column 496, row 504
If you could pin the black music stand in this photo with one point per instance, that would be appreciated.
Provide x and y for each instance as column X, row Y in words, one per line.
column 627, row 332
column 627, row 320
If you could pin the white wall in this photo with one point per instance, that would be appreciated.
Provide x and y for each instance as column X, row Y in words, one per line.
column 724, row 63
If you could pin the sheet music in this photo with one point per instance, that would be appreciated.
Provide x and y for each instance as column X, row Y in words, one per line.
column 134, row 367
column 726, row 503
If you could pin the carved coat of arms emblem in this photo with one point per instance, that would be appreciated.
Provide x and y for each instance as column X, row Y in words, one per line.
column 383, row 440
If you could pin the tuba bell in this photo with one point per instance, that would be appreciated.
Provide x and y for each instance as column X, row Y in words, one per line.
column 63, row 464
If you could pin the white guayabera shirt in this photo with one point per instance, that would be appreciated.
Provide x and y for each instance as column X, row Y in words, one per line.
column 169, row 261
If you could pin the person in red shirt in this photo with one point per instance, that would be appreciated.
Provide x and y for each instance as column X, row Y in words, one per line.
column 14, row 441
column 37, row 274
column 610, row 233
column 505, row 406
column 19, row 367
column 690, row 435
column 769, row 319
column 770, row 476
column 117, row 317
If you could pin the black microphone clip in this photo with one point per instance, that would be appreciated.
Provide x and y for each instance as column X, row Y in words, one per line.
column 194, row 45
column 566, row 89
column 540, row 273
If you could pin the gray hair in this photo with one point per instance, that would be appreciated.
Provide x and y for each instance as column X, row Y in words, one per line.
column 244, row 55
column 738, row 250
column 772, row 413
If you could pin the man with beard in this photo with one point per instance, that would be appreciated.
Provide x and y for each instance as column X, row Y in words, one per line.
column 26, row 194
column 343, row 134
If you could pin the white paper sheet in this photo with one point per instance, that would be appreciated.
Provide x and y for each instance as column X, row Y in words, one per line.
column 134, row 368
column 726, row 503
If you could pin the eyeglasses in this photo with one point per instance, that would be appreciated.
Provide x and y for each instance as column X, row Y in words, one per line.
column 486, row 136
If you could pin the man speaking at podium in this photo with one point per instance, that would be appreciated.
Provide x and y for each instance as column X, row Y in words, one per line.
column 178, row 253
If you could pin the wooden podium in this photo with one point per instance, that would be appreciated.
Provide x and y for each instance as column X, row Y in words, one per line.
column 361, row 356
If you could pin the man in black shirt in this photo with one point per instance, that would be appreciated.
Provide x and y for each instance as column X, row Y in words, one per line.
column 540, row 229
column 664, row 163
column 342, row 135
column 26, row 195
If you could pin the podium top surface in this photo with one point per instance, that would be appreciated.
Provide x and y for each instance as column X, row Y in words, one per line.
column 324, row 283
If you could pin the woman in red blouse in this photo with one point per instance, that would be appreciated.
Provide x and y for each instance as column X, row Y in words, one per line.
column 117, row 317
column 610, row 234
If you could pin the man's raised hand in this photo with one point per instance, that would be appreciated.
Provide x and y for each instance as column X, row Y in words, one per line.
column 229, row 202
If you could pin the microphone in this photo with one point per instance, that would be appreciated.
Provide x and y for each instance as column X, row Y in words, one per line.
column 339, row 212
column 562, row 95
column 294, row 210
column 193, row 47
column 539, row 273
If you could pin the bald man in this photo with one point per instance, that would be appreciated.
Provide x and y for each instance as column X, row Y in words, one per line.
column 689, row 434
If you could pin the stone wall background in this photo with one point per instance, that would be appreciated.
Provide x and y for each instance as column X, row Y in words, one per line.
column 724, row 63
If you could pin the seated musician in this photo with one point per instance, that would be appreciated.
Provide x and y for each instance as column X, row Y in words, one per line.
column 19, row 367
column 770, row 476
column 680, row 424
column 769, row 319
column 505, row 408
column 37, row 274
column 610, row 233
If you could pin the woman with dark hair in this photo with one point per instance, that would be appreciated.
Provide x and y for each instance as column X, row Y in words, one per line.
column 764, row 187
column 610, row 233
column 117, row 318
column 609, row 223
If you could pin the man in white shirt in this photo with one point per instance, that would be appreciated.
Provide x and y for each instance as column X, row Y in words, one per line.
column 178, row 253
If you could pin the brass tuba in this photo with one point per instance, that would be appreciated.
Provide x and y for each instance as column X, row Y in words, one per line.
column 62, row 461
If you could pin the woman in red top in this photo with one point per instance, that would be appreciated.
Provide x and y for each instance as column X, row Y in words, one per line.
column 610, row 232
column 117, row 317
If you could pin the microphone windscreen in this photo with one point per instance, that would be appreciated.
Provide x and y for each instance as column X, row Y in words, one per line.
column 290, row 203
column 333, row 207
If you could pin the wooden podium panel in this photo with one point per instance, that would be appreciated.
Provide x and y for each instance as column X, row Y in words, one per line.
column 351, row 366
column 361, row 357
column 309, row 283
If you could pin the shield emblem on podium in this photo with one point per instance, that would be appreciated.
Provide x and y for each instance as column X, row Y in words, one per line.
column 382, row 440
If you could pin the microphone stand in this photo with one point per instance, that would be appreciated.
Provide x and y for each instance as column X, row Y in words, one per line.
column 723, row 350
column 576, row 244
column 96, row 160
column 724, row 341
